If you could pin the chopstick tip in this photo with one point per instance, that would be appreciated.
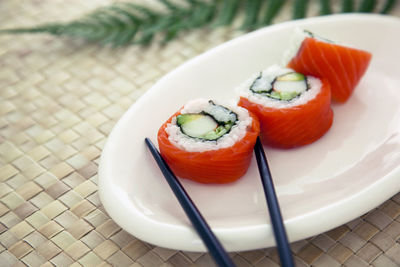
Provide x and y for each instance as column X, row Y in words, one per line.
column 148, row 141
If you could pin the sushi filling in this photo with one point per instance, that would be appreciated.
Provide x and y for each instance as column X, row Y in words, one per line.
column 284, row 87
column 291, row 88
column 210, row 124
column 205, row 126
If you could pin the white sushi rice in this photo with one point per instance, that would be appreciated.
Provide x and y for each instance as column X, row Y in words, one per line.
column 184, row 142
column 269, row 75
column 297, row 38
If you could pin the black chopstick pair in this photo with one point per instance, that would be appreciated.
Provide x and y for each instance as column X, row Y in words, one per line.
column 215, row 248
column 212, row 243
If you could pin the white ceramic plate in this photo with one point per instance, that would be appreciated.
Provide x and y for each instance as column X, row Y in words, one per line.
column 352, row 169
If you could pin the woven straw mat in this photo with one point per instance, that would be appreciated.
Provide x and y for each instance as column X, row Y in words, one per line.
column 59, row 100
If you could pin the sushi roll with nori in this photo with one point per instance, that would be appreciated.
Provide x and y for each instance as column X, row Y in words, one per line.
column 208, row 142
column 293, row 109
column 342, row 66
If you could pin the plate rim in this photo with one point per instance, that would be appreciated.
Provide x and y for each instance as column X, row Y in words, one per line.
column 295, row 226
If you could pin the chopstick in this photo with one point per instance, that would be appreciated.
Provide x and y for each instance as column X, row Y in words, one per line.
column 273, row 207
column 215, row 248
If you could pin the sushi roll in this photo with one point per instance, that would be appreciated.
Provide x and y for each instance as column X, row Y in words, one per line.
column 343, row 66
column 293, row 109
column 209, row 143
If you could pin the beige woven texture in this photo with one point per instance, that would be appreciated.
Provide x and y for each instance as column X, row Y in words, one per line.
column 59, row 100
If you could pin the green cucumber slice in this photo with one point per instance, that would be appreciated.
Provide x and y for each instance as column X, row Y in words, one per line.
column 288, row 95
column 285, row 87
column 210, row 124
column 290, row 86
column 196, row 125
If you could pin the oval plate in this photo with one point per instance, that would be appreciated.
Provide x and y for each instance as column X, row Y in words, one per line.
column 352, row 169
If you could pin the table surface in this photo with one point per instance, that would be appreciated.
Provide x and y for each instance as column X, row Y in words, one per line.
column 59, row 100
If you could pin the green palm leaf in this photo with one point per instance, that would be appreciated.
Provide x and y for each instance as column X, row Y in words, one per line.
column 129, row 23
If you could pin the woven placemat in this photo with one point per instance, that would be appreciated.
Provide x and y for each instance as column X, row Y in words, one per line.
column 59, row 100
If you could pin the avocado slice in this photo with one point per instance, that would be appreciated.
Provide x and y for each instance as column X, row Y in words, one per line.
column 291, row 77
column 185, row 118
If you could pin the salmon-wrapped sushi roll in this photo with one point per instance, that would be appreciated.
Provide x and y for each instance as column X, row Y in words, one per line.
column 343, row 66
column 209, row 143
column 293, row 109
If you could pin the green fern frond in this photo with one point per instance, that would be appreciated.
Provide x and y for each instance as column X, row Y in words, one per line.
column 252, row 9
column 299, row 9
column 130, row 23
column 273, row 8
column 367, row 6
column 347, row 6
column 325, row 7
column 228, row 11
column 388, row 6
